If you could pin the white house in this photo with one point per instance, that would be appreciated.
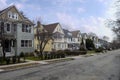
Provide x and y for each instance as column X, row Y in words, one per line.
column 58, row 36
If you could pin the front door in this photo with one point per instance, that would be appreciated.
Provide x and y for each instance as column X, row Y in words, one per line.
column 7, row 46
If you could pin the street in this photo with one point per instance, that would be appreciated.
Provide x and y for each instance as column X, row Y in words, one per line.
column 97, row 67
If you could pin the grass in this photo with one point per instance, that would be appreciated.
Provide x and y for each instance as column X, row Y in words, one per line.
column 61, row 60
column 33, row 58
column 91, row 52
column 4, row 62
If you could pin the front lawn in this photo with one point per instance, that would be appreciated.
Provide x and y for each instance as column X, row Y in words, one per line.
column 33, row 58
column 91, row 52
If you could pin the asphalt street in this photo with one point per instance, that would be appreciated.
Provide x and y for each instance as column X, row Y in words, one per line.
column 97, row 67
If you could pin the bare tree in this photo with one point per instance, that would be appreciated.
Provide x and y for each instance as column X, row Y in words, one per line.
column 43, row 38
column 115, row 23
column 2, row 38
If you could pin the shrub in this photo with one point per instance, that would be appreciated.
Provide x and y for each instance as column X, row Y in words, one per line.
column 100, row 49
column 83, row 52
column 67, row 52
column 22, row 55
column 7, row 60
column 1, row 60
column 60, row 54
column 18, row 59
column 14, row 59
column 37, row 52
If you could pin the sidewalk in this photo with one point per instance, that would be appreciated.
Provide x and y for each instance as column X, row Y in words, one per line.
column 29, row 63
column 43, row 62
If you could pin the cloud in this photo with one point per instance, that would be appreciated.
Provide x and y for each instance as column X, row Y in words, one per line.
column 90, row 24
column 104, row 1
column 23, row 1
column 97, row 25
column 19, row 6
column 67, row 20
column 81, row 10
column 3, row 4
column 64, row 2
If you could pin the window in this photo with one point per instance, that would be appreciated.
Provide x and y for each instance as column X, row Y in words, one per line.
column 8, row 27
column 29, row 28
column 14, row 43
column 22, row 43
column 15, row 27
column 30, row 43
column 59, row 45
column 26, row 28
column 26, row 43
column 23, row 26
column 10, row 14
column 13, row 15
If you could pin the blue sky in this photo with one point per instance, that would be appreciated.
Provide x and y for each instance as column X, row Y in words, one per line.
column 84, row 15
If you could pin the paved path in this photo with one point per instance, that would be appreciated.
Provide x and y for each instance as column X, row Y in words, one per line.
column 97, row 67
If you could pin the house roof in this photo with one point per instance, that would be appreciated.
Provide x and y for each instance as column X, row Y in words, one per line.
column 50, row 27
column 83, row 34
column 2, row 11
column 66, row 32
column 21, row 15
column 75, row 33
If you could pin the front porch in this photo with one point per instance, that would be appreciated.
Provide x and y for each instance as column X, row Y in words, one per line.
column 8, row 46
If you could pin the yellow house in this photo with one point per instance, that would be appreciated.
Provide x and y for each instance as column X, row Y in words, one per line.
column 48, row 46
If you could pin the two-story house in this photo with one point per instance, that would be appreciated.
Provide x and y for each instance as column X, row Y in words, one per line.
column 58, row 36
column 17, row 32
column 76, row 39
column 48, row 45
column 68, row 39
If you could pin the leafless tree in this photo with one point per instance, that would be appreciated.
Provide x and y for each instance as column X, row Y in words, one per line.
column 2, row 38
column 43, row 38
column 115, row 23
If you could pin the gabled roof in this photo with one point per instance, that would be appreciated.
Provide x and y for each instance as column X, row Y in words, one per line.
column 75, row 33
column 6, row 9
column 66, row 32
column 50, row 27
column 83, row 34
column 21, row 15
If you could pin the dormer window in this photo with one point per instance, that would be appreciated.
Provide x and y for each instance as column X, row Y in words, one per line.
column 10, row 14
column 13, row 15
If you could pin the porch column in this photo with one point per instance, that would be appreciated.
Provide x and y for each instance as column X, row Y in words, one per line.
column 11, row 43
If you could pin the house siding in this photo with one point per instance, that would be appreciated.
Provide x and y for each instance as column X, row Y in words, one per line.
column 24, row 36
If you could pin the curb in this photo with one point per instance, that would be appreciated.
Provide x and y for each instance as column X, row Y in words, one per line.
column 35, row 63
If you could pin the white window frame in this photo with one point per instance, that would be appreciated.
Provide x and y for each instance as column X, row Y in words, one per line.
column 28, row 45
column 6, row 28
column 10, row 14
column 16, row 16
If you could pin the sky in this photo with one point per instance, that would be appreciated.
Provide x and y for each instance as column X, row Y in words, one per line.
column 84, row 15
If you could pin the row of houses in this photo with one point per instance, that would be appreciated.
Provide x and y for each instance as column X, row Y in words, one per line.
column 17, row 34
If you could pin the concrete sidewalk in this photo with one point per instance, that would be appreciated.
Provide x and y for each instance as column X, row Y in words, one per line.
column 43, row 62
column 29, row 62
